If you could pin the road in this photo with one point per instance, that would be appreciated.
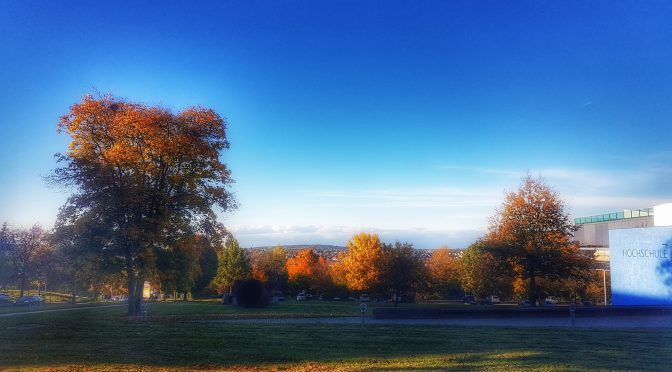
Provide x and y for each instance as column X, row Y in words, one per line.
column 641, row 321
column 57, row 310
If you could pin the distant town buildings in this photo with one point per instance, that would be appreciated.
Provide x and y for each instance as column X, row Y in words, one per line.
column 330, row 252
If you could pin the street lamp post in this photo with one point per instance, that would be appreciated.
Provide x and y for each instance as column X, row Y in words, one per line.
column 604, row 283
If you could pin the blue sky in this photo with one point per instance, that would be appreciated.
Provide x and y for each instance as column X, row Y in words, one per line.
column 409, row 119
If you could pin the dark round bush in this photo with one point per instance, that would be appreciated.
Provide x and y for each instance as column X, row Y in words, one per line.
column 251, row 293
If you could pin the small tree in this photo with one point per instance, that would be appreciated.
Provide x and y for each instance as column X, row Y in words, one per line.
column 308, row 270
column 270, row 267
column 23, row 247
column 403, row 269
column 77, row 264
column 443, row 271
column 208, row 266
column 482, row 274
column 232, row 265
column 177, row 264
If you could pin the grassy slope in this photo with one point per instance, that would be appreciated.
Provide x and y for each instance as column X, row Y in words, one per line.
column 105, row 339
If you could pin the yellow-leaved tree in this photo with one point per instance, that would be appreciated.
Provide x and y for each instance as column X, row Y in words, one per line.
column 362, row 266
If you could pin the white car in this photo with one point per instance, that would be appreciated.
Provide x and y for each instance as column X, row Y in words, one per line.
column 551, row 300
column 301, row 297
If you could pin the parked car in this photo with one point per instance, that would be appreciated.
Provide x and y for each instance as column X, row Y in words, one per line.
column 30, row 301
column 364, row 298
column 301, row 297
column 5, row 297
column 524, row 303
column 551, row 300
column 469, row 300
column 490, row 300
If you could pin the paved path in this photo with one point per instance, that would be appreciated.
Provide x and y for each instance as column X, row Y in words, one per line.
column 652, row 321
column 57, row 310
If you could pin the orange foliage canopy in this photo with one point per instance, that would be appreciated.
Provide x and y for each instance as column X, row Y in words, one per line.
column 443, row 268
column 308, row 264
column 151, row 143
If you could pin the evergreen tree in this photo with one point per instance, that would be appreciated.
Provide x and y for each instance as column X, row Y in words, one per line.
column 233, row 265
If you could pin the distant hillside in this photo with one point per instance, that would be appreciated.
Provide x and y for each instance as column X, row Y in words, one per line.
column 330, row 252
column 298, row 247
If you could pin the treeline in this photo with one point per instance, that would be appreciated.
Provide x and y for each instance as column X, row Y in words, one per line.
column 527, row 253
column 35, row 258
column 59, row 260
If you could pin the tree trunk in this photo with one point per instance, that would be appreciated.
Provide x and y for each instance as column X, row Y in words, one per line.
column 23, row 285
column 74, row 292
column 533, row 291
column 139, row 286
column 131, row 294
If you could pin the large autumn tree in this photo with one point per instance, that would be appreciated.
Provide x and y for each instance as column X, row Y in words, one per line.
column 145, row 173
column 532, row 232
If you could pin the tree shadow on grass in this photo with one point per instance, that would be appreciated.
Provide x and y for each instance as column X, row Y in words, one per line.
column 89, row 339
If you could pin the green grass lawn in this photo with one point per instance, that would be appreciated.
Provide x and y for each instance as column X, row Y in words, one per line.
column 105, row 339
